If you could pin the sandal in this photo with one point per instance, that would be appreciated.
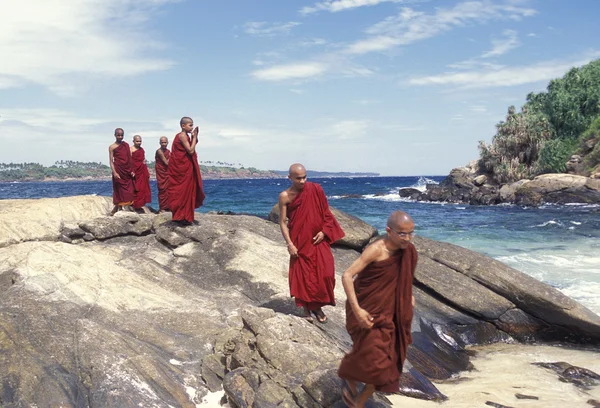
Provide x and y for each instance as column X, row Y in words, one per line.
column 320, row 315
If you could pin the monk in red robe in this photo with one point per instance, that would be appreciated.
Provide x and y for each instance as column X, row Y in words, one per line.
column 185, row 181
column 161, row 166
column 141, row 181
column 311, row 230
column 379, row 312
column 119, row 158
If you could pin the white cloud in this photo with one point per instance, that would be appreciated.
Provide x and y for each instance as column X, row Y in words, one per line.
column 503, row 45
column 334, row 6
column 507, row 76
column 290, row 71
column 349, row 129
column 265, row 29
column 60, row 46
column 410, row 26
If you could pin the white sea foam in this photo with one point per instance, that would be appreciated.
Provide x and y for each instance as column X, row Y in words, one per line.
column 551, row 222
column 575, row 222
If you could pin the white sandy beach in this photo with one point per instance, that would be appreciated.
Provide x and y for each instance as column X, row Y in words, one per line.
column 503, row 370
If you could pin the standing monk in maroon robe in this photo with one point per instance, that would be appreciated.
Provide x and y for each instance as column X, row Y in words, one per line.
column 119, row 158
column 161, row 166
column 141, row 181
column 379, row 312
column 311, row 230
column 185, row 181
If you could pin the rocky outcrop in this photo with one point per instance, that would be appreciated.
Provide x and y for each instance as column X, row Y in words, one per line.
column 464, row 186
column 132, row 310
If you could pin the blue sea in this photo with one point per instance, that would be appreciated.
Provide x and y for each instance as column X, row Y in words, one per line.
column 559, row 245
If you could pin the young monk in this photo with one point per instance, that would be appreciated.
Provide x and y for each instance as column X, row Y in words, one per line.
column 141, row 181
column 161, row 166
column 311, row 230
column 379, row 312
column 119, row 158
column 185, row 181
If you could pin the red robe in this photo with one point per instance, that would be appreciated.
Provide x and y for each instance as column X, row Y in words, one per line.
column 312, row 273
column 185, row 182
column 384, row 289
column 143, row 194
column 123, row 187
column 162, row 179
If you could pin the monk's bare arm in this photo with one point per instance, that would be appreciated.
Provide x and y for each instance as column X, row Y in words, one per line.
column 370, row 254
column 162, row 157
column 111, row 159
column 190, row 148
column 283, row 203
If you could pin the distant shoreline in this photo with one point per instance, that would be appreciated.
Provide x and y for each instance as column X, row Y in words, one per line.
column 91, row 179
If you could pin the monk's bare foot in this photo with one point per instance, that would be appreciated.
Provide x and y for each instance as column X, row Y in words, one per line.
column 320, row 315
column 363, row 397
column 349, row 393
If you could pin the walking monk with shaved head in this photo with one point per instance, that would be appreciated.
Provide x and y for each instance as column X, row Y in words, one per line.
column 311, row 230
column 119, row 158
column 161, row 160
column 379, row 312
column 185, row 181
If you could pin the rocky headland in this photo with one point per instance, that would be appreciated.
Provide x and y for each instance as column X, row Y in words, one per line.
column 470, row 185
column 132, row 311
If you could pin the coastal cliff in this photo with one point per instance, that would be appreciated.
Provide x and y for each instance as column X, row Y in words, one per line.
column 131, row 311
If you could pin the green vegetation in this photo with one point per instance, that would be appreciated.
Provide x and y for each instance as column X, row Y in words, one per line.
column 59, row 170
column 552, row 126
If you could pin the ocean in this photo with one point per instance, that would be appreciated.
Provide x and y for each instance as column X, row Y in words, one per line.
column 557, row 244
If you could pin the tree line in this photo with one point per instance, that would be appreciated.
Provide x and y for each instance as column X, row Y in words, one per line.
column 550, row 127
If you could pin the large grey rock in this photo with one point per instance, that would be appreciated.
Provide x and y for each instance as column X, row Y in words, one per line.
column 357, row 232
column 560, row 189
column 160, row 318
column 43, row 219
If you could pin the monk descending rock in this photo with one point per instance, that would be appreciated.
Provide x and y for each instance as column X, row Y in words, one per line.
column 161, row 160
column 141, row 180
column 119, row 157
column 379, row 312
column 311, row 230
column 185, row 181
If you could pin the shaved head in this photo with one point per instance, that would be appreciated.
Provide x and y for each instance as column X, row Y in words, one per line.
column 119, row 130
column 297, row 168
column 185, row 119
column 164, row 139
column 137, row 137
column 398, row 219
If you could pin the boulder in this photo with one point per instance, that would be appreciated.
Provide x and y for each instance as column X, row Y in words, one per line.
column 358, row 233
column 409, row 192
column 558, row 189
column 459, row 177
column 45, row 217
column 575, row 165
column 480, row 180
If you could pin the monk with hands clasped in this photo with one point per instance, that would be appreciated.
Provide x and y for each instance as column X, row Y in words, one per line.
column 379, row 311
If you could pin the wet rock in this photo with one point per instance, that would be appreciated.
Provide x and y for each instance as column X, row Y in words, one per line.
column 411, row 193
column 558, row 189
column 323, row 386
column 238, row 391
column 581, row 377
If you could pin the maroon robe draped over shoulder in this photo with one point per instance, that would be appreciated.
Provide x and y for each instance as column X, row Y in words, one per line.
column 185, row 182
column 122, row 187
column 162, row 179
column 312, row 273
column 384, row 289
column 143, row 194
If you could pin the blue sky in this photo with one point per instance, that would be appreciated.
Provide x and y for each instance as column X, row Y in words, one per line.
column 398, row 87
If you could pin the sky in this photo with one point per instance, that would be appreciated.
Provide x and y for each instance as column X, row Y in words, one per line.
column 397, row 87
